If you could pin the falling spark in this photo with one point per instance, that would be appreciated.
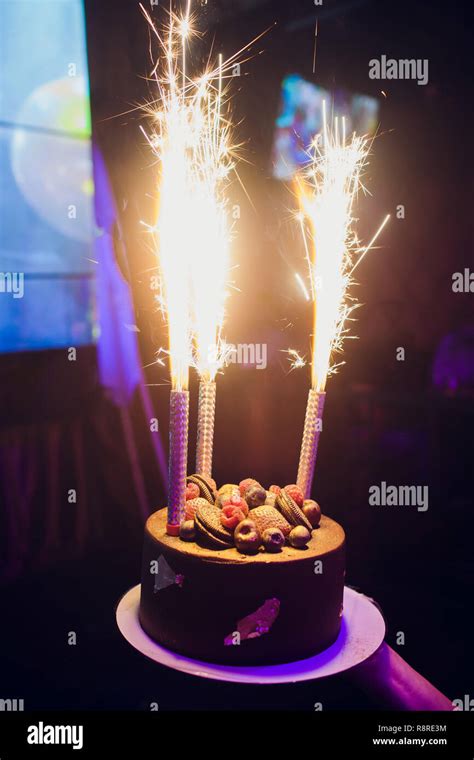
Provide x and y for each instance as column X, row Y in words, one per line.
column 327, row 190
column 295, row 358
column 315, row 43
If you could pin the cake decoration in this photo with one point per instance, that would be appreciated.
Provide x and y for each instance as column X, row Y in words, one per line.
column 192, row 506
column 273, row 539
column 206, row 486
column 164, row 577
column 232, row 514
column 296, row 494
column 299, row 537
column 271, row 499
column 246, row 483
column 312, row 511
column 187, row 530
column 192, row 491
column 255, row 496
column 224, row 519
column 291, row 510
column 256, row 624
column 269, row 517
column 247, row 538
column 209, row 526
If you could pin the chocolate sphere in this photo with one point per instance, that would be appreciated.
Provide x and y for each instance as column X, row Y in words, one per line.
column 255, row 496
column 187, row 530
column 247, row 538
column 299, row 537
column 312, row 512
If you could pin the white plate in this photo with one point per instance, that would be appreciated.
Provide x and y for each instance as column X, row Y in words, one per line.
column 362, row 632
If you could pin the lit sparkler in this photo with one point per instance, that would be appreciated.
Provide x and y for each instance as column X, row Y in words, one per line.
column 326, row 192
column 192, row 236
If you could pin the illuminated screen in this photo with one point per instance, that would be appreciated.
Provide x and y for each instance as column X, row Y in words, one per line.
column 300, row 119
column 46, row 188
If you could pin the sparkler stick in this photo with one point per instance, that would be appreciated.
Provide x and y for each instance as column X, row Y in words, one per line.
column 309, row 444
column 326, row 193
column 205, row 431
column 178, row 455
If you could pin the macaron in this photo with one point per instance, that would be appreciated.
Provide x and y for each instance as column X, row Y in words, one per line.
column 210, row 528
column 206, row 489
column 291, row 511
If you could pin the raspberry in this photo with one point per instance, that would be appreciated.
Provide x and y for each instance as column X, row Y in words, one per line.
column 275, row 489
column 244, row 484
column 234, row 500
column 296, row 494
column 231, row 516
column 192, row 491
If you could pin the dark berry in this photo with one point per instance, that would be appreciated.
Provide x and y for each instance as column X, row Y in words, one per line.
column 273, row 539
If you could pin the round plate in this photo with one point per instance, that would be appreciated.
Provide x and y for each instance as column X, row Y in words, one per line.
column 362, row 632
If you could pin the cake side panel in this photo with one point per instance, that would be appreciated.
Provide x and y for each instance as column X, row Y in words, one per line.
column 246, row 613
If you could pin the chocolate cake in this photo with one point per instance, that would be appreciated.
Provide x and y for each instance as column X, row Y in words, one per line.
column 261, row 592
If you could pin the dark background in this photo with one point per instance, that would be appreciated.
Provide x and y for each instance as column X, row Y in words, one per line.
column 384, row 419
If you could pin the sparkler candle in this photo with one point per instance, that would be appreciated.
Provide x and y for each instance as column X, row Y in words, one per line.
column 326, row 193
column 172, row 144
column 191, row 143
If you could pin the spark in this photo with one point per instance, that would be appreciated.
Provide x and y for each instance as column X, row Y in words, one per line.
column 327, row 189
column 294, row 357
column 192, row 233
column 315, row 43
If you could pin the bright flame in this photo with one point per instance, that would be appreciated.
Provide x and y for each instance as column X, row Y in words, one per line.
column 326, row 193
column 192, row 234
column 210, row 262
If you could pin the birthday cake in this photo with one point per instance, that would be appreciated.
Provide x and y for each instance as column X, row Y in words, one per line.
column 254, row 576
